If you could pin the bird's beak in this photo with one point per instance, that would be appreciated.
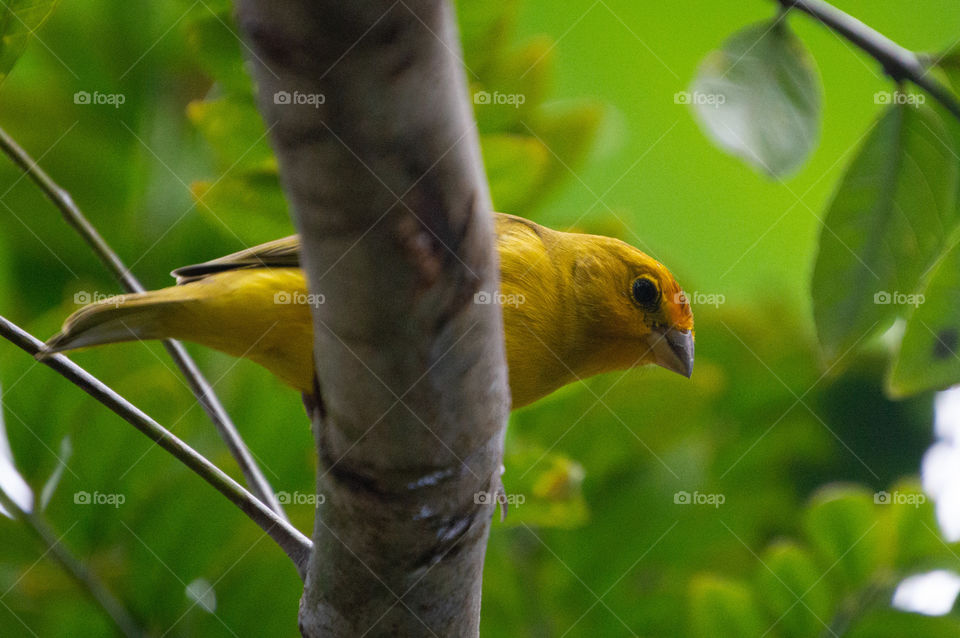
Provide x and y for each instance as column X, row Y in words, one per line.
column 673, row 350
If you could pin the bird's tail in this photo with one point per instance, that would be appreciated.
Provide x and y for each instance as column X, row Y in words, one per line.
column 258, row 314
column 131, row 317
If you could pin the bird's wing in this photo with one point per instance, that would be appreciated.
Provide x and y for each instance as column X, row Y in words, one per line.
column 285, row 253
column 279, row 253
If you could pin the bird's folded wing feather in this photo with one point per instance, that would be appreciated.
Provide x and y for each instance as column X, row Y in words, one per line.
column 285, row 253
column 280, row 253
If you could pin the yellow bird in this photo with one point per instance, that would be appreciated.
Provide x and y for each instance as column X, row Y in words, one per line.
column 574, row 305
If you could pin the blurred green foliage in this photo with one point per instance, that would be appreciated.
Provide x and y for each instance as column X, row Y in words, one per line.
column 604, row 542
column 893, row 217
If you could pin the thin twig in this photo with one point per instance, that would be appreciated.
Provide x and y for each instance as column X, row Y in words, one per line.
column 899, row 63
column 88, row 580
column 295, row 544
column 198, row 383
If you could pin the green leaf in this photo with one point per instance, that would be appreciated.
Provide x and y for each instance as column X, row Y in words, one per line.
column 721, row 607
column 543, row 488
column 234, row 129
column 484, row 27
column 914, row 532
column 794, row 590
column 929, row 353
column 842, row 526
column 889, row 623
column 513, row 87
column 18, row 21
column 890, row 220
column 758, row 97
column 66, row 450
column 216, row 44
column 521, row 167
column 569, row 129
column 251, row 207
column 949, row 63
column 516, row 166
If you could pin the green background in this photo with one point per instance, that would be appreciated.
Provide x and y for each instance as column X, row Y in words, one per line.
column 609, row 555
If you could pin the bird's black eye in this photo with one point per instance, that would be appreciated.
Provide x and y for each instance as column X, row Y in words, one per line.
column 646, row 293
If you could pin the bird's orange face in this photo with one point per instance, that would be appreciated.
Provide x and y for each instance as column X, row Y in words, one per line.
column 645, row 318
column 667, row 316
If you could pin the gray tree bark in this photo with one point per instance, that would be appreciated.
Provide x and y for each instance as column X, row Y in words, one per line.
column 379, row 157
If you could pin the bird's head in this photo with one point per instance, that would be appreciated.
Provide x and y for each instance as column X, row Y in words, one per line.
column 633, row 307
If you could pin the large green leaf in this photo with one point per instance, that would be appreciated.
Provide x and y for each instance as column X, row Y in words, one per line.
column 569, row 130
column 516, row 165
column 889, row 221
column 513, row 88
column 842, row 526
column 18, row 21
column 929, row 354
column 758, row 97
column 235, row 131
column 795, row 591
column 914, row 536
column 721, row 607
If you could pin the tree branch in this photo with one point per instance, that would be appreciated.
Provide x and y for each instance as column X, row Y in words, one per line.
column 899, row 63
column 379, row 158
column 296, row 545
column 85, row 578
column 199, row 385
